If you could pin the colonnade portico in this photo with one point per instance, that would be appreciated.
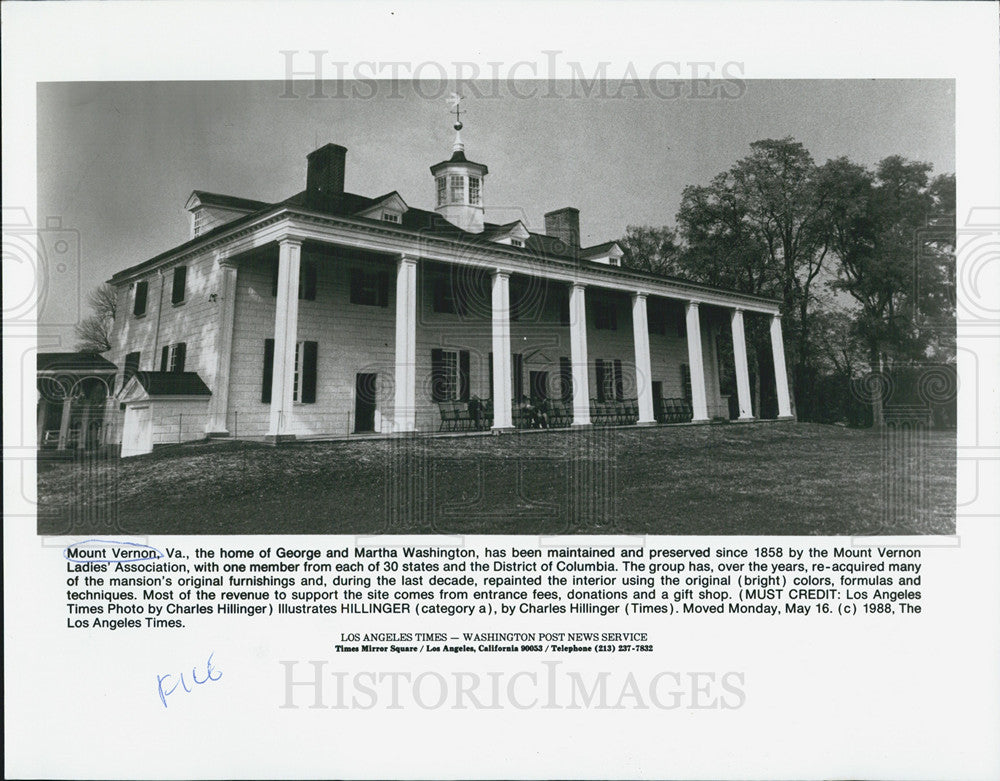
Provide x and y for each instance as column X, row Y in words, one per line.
column 405, row 402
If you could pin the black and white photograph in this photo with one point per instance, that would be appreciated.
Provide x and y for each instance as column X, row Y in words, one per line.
column 501, row 390
column 711, row 306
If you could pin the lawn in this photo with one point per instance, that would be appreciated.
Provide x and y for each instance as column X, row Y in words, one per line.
column 763, row 478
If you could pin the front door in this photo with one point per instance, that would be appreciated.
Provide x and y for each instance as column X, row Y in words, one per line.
column 539, row 387
column 364, row 402
column 658, row 401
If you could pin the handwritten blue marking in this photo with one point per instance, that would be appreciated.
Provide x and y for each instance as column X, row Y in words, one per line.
column 132, row 546
column 211, row 675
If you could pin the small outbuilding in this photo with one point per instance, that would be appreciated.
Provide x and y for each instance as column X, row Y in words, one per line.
column 161, row 408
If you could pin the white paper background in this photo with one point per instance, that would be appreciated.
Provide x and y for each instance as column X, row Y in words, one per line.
column 915, row 698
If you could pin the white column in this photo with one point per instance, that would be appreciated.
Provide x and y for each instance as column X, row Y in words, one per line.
column 780, row 373
column 742, row 373
column 405, row 404
column 578, row 354
column 67, row 411
column 218, row 405
column 643, row 372
column 81, row 442
column 43, row 406
column 286, row 315
column 696, row 363
column 502, row 392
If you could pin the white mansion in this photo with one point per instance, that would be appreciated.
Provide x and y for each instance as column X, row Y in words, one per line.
column 331, row 313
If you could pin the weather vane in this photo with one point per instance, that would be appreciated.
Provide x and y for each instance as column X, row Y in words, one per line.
column 455, row 101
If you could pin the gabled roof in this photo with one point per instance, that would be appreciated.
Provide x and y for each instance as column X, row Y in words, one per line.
column 599, row 250
column 515, row 229
column 392, row 201
column 166, row 384
column 65, row 363
column 202, row 198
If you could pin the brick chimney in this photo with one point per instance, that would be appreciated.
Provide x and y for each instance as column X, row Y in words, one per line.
column 564, row 224
column 325, row 172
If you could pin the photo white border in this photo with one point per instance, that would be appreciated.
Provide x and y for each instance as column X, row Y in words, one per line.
column 825, row 725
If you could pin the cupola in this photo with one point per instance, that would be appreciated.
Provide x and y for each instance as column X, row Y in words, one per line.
column 458, row 183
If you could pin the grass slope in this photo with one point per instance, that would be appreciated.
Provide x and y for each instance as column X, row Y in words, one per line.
column 768, row 478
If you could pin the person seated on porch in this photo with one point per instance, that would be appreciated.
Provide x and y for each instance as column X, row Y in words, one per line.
column 476, row 412
column 541, row 414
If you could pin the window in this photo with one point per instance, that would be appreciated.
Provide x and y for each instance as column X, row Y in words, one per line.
column 304, row 378
column 516, row 243
column 177, row 291
column 610, row 384
column 201, row 222
column 369, row 288
column 141, row 293
column 656, row 318
column 449, row 375
column 172, row 357
column 390, row 217
column 457, row 188
column 446, row 301
column 605, row 316
column 307, row 279
column 131, row 366
column 474, row 185
column 442, row 190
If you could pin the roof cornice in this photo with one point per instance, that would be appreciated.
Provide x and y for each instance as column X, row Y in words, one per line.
column 517, row 258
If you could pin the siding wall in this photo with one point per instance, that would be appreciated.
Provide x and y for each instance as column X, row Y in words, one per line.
column 193, row 322
column 355, row 338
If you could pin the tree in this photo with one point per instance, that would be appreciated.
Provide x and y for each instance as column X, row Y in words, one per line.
column 649, row 249
column 93, row 333
column 892, row 232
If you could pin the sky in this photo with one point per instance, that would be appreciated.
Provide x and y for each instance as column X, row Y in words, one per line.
column 118, row 160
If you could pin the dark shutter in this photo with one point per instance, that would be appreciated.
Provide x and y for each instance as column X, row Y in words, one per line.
column 437, row 375
column 131, row 365
column 164, row 359
column 490, row 359
column 619, row 383
column 308, row 281
column 383, row 288
column 309, row 360
column 564, row 310
column 180, row 353
column 599, row 376
column 141, row 291
column 274, row 278
column 357, row 285
column 463, row 375
column 686, row 382
column 518, row 378
column 440, row 304
column 566, row 378
column 682, row 323
column 265, row 384
column 180, row 278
